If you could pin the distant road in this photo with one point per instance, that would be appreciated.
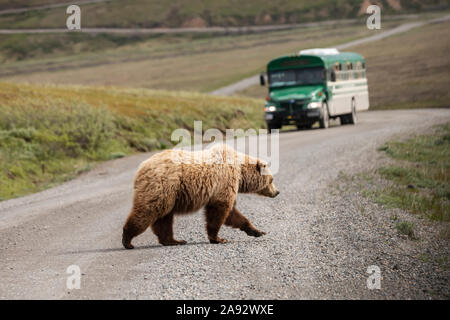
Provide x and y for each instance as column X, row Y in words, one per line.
column 254, row 80
column 49, row 6
column 220, row 30
column 223, row 30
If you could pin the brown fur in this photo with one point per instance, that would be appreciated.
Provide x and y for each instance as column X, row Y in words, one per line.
column 171, row 182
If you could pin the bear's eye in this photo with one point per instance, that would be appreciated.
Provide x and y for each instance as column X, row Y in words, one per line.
column 260, row 167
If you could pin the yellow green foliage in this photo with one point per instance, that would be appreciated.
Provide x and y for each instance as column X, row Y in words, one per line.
column 49, row 133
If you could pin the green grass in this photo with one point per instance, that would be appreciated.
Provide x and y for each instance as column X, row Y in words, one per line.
column 176, row 13
column 406, row 228
column 420, row 175
column 19, row 47
column 49, row 134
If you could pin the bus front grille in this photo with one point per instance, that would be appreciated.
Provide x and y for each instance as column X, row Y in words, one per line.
column 292, row 108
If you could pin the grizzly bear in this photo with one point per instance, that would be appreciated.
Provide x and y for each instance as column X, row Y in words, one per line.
column 179, row 181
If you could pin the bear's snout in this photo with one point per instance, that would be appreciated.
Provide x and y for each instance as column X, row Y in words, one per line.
column 275, row 193
column 269, row 191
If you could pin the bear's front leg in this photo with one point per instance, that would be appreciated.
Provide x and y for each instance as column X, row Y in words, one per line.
column 216, row 214
column 237, row 220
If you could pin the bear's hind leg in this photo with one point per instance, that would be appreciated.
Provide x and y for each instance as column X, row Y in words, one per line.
column 163, row 228
column 136, row 224
column 216, row 215
column 237, row 220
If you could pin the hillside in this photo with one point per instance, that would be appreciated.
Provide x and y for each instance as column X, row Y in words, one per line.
column 409, row 70
column 48, row 134
column 175, row 62
column 200, row 13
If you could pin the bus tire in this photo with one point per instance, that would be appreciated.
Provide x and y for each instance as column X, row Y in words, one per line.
column 325, row 120
column 273, row 126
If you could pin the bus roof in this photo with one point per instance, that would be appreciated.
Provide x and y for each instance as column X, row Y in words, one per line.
column 312, row 60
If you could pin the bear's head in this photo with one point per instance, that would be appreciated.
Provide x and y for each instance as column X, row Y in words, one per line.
column 257, row 178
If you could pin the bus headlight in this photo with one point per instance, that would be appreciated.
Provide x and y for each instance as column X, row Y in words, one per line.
column 270, row 109
column 314, row 105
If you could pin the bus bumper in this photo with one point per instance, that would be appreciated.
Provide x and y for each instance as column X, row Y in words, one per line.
column 308, row 116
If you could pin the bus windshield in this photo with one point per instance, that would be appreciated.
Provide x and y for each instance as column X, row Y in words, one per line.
column 292, row 77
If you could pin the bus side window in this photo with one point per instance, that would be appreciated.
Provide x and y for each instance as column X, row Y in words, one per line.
column 344, row 68
column 359, row 72
column 350, row 71
column 337, row 74
column 333, row 75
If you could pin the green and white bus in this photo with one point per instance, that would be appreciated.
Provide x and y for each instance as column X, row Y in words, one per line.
column 315, row 85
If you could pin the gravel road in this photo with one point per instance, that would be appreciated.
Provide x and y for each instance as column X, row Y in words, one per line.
column 318, row 245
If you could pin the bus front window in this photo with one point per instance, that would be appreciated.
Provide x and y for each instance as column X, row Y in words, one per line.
column 307, row 76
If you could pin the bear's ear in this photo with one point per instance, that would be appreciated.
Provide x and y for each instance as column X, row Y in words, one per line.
column 260, row 166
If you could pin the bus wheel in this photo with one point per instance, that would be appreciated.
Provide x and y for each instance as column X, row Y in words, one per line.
column 352, row 116
column 272, row 126
column 324, row 121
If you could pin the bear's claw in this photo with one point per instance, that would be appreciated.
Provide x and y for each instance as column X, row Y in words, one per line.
column 126, row 241
column 128, row 246
column 174, row 243
column 218, row 240
column 255, row 233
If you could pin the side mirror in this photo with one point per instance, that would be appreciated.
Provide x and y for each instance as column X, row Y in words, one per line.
column 262, row 79
column 333, row 76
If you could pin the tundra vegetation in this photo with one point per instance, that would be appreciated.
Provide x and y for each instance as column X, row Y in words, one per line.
column 50, row 133
column 420, row 175
column 413, row 174
column 200, row 13
column 196, row 62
